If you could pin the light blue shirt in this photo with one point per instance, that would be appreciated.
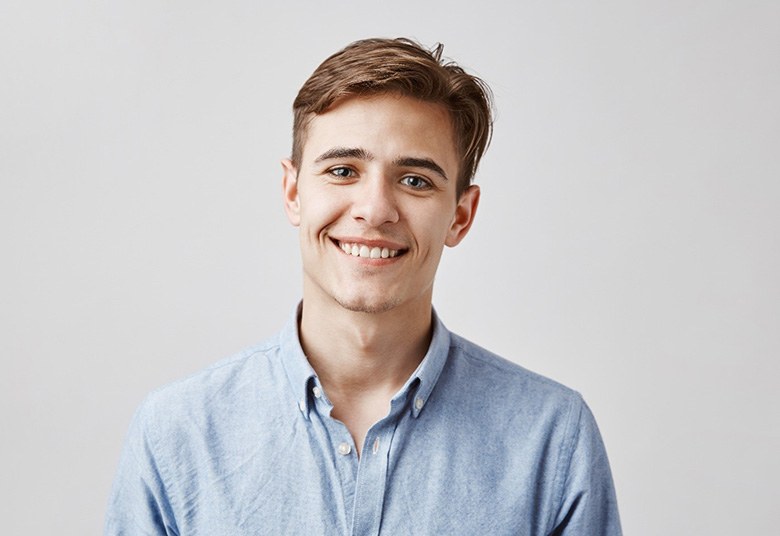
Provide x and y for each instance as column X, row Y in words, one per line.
column 472, row 444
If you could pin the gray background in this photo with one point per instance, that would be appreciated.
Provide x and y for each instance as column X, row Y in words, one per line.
column 626, row 244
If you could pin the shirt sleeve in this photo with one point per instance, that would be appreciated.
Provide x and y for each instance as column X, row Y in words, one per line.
column 139, row 503
column 588, row 504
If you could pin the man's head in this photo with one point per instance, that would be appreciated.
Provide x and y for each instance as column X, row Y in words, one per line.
column 376, row 66
column 387, row 140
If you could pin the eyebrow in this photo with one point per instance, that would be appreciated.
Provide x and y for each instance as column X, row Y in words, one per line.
column 425, row 163
column 344, row 152
column 362, row 154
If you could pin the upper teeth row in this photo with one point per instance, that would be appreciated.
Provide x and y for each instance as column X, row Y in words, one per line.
column 360, row 250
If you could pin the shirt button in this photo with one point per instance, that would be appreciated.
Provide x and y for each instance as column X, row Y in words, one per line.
column 344, row 449
column 302, row 405
column 375, row 448
column 317, row 392
column 419, row 403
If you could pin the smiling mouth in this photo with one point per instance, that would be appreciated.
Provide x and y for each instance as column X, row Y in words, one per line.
column 356, row 249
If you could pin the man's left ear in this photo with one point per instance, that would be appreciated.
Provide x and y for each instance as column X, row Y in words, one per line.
column 464, row 216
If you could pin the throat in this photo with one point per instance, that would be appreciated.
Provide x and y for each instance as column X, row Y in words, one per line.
column 360, row 413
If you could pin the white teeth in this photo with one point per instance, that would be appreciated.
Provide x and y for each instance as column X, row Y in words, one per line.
column 361, row 250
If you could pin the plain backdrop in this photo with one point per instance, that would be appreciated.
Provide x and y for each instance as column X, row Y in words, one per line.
column 626, row 243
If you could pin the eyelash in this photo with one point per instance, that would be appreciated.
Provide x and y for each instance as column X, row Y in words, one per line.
column 338, row 170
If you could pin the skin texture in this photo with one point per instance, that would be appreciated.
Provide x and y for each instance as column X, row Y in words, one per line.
column 380, row 171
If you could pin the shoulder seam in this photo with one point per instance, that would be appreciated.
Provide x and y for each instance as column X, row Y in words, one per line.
column 565, row 456
column 147, row 412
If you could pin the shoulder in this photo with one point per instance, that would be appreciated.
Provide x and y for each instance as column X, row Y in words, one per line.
column 488, row 388
column 484, row 369
column 226, row 387
column 509, row 401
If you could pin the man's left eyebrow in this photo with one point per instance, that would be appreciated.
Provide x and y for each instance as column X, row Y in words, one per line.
column 425, row 163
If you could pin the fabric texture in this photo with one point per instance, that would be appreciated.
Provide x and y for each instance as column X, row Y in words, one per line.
column 472, row 444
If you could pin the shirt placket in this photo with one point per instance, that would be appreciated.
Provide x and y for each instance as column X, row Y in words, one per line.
column 371, row 483
column 342, row 451
column 364, row 479
column 372, row 473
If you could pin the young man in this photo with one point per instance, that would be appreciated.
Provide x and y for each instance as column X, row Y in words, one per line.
column 365, row 415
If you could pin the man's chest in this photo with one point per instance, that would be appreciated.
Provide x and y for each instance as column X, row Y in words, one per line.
column 410, row 479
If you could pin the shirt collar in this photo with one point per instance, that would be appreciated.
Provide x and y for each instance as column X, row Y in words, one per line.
column 429, row 369
column 419, row 385
column 299, row 371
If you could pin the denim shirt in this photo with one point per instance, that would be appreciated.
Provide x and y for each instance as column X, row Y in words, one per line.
column 472, row 444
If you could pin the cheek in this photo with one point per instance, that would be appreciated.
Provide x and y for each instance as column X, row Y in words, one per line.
column 436, row 231
column 318, row 211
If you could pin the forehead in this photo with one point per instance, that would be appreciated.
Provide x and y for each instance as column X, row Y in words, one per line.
column 386, row 125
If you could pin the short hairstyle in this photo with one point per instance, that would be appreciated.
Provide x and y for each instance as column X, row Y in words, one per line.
column 374, row 66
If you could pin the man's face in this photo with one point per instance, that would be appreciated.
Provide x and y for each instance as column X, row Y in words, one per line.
column 375, row 202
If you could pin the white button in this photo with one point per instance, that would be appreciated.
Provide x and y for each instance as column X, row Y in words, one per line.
column 419, row 403
column 344, row 449
column 375, row 449
column 317, row 392
column 302, row 405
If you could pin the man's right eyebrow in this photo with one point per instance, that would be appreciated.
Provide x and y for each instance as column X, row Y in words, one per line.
column 344, row 152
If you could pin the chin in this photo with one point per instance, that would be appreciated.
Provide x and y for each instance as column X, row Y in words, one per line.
column 367, row 305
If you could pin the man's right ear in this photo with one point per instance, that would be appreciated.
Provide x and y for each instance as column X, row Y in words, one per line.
column 292, row 204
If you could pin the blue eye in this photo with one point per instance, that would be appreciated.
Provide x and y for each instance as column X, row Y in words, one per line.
column 415, row 182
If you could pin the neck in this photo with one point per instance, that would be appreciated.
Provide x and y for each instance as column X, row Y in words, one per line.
column 362, row 359
column 356, row 353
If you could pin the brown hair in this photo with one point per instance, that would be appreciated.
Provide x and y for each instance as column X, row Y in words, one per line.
column 373, row 66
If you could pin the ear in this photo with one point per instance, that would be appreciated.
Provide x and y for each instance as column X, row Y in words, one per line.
column 292, row 204
column 464, row 216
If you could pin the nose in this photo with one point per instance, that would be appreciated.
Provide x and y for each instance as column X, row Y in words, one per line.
column 374, row 202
